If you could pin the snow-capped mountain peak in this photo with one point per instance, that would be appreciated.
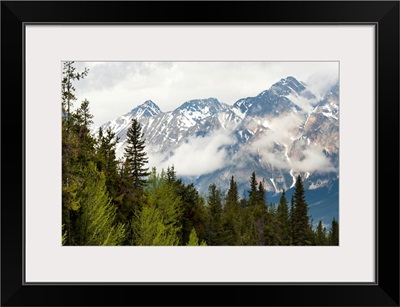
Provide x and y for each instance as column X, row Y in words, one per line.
column 148, row 108
column 120, row 124
column 287, row 86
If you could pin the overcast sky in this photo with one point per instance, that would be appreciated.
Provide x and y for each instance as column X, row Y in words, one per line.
column 115, row 88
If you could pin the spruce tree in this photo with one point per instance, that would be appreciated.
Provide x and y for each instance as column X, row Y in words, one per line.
column 301, row 226
column 106, row 160
column 283, row 221
column 320, row 235
column 232, row 196
column 334, row 233
column 232, row 218
column 133, row 175
column 253, row 193
column 136, row 157
column 215, row 227
column 80, row 128
column 260, row 214
column 291, row 218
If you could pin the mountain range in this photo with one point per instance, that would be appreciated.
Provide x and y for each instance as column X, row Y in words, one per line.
column 284, row 131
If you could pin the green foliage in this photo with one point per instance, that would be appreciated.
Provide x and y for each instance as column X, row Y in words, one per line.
column 215, row 227
column 301, row 227
column 253, row 193
column 194, row 239
column 232, row 215
column 320, row 235
column 136, row 157
column 258, row 208
column 150, row 230
column 283, row 230
column 67, row 88
column 158, row 223
column 64, row 236
column 106, row 160
column 333, row 237
column 192, row 205
column 97, row 214
column 271, row 231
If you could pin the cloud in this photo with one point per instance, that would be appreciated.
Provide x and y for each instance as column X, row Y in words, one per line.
column 320, row 82
column 314, row 161
column 305, row 103
column 199, row 155
column 273, row 146
column 281, row 130
column 104, row 76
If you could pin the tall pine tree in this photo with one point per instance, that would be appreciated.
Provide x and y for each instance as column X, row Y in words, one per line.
column 320, row 235
column 301, row 226
column 283, row 222
column 253, row 193
column 106, row 160
column 133, row 175
column 232, row 219
column 136, row 157
column 215, row 227
column 334, row 233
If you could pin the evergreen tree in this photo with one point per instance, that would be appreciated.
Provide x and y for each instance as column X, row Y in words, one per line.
column 83, row 115
column 96, row 215
column 301, row 234
column 215, row 227
column 107, row 161
column 158, row 223
column 232, row 197
column 80, row 129
column 171, row 175
column 133, row 174
column 193, row 211
column 334, row 233
column 150, row 230
column 260, row 214
column 253, row 193
column 283, row 234
column 67, row 89
column 320, row 235
column 194, row 239
column 270, row 226
column 248, row 230
column 291, row 219
column 232, row 218
column 136, row 157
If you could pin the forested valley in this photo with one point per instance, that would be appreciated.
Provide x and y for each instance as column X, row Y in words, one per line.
column 108, row 202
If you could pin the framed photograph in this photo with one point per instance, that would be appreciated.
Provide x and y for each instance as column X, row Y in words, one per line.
column 200, row 153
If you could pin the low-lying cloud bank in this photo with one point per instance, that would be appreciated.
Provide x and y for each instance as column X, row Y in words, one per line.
column 198, row 155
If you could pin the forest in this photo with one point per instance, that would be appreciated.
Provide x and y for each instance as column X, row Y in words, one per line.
column 108, row 201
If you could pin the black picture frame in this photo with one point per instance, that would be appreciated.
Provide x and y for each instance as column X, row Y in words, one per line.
column 383, row 14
